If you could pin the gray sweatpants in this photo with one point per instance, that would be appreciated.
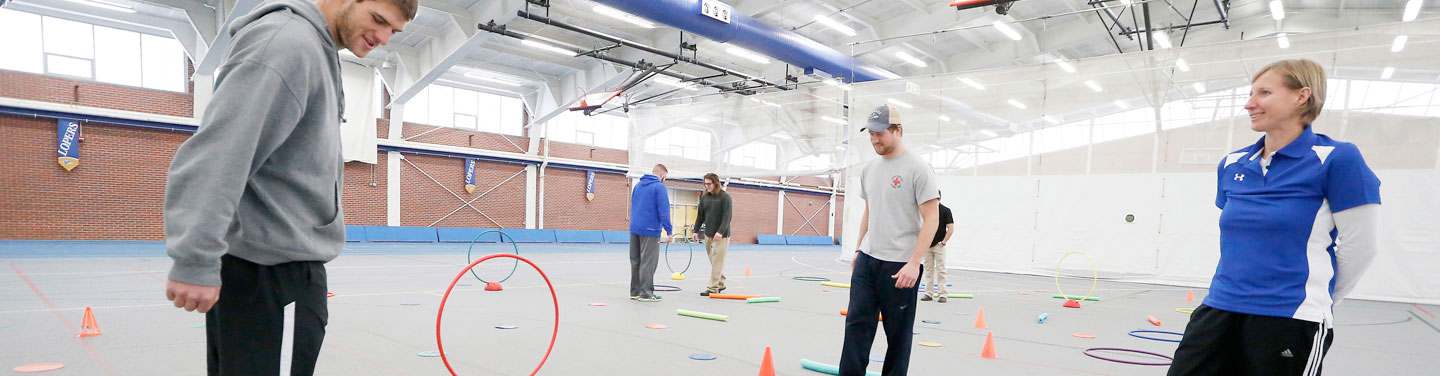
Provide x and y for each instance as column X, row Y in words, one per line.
column 644, row 257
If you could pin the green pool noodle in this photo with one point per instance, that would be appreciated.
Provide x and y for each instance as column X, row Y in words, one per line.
column 702, row 315
column 826, row 368
column 766, row 299
column 962, row 296
column 1058, row 296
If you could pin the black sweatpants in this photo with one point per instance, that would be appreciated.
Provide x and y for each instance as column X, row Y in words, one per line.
column 269, row 318
column 873, row 294
column 1219, row 342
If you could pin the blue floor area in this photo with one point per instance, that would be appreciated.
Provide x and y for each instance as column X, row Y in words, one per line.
column 62, row 249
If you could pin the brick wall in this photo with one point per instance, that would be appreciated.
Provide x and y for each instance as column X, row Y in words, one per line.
column 94, row 94
column 462, row 138
column 365, row 204
column 116, row 193
column 753, row 213
column 567, row 209
column 589, row 153
column 423, row 202
column 799, row 206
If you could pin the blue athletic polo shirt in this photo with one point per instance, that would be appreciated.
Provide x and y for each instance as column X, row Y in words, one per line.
column 1277, row 237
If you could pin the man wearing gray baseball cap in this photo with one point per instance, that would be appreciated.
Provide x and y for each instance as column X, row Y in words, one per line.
column 902, row 200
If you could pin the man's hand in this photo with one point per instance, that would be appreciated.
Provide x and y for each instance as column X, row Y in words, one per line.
column 907, row 276
column 669, row 239
column 719, row 236
column 695, row 237
column 192, row 297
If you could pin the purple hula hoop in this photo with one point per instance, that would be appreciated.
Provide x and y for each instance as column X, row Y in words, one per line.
column 1087, row 352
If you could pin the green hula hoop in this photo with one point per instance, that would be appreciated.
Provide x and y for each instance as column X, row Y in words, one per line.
column 469, row 257
column 689, row 261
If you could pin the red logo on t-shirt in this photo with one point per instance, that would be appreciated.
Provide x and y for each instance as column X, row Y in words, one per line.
column 895, row 181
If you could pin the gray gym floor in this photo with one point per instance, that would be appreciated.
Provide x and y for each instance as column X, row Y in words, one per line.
column 387, row 295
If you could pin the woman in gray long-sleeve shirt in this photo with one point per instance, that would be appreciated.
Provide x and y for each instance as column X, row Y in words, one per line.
column 712, row 224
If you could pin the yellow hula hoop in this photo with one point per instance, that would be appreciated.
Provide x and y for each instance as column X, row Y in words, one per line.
column 1185, row 310
column 1094, row 281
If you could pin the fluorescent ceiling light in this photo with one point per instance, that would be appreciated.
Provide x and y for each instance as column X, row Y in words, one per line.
column 840, row 147
column 898, row 103
column 781, row 135
column 1065, row 65
column 1094, row 86
column 1180, row 63
column 1051, row 120
column 105, row 5
column 1017, row 104
column 1399, row 43
column 987, row 133
column 882, row 72
column 835, row 25
column 973, row 83
column 670, row 81
column 832, row 120
column 944, row 118
column 703, row 119
column 492, row 79
column 1199, row 87
column 1283, row 41
column 546, row 47
column 1385, row 74
column 1412, row 9
column 846, row 87
column 1122, row 104
column 831, row 82
column 1009, row 32
column 627, row 17
column 1125, row 2
column 771, row 104
column 1277, row 10
column 1162, row 38
column 744, row 53
column 910, row 59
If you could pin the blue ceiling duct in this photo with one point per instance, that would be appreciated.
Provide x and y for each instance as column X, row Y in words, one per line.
column 750, row 34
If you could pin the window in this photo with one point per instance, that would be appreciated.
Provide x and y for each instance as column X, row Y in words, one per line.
column 759, row 155
column 602, row 130
column 445, row 106
column 680, row 142
column 49, row 45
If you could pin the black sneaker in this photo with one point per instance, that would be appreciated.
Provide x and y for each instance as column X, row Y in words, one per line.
column 942, row 299
column 704, row 293
column 926, row 298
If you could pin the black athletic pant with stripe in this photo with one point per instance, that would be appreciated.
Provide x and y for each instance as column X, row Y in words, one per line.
column 872, row 296
column 1219, row 342
column 270, row 319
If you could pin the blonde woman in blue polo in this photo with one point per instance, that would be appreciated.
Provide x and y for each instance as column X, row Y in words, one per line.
column 1298, row 227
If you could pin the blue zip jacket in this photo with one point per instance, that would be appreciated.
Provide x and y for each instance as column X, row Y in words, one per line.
column 650, row 207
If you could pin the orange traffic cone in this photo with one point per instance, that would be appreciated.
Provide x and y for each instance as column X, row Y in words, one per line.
column 88, row 327
column 1190, row 296
column 980, row 319
column 747, row 270
column 767, row 365
column 989, row 351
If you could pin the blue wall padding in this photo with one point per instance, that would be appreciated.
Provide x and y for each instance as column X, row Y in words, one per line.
column 770, row 239
column 400, row 234
column 619, row 237
column 579, row 236
column 354, row 233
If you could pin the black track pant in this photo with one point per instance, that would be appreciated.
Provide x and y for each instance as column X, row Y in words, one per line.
column 1219, row 342
column 872, row 295
column 270, row 319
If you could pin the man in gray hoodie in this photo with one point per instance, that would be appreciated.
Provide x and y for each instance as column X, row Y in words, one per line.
column 252, row 204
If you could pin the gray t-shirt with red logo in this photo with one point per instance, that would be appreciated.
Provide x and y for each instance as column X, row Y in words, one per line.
column 893, row 189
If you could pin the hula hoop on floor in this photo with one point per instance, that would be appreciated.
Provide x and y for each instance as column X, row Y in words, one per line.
column 1087, row 352
column 1094, row 281
column 689, row 261
column 1132, row 334
column 810, row 279
column 668, row 288
column 440, row 344
column 503, row 235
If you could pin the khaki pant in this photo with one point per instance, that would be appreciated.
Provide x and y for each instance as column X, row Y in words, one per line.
column 716, row 248
column 935, row 264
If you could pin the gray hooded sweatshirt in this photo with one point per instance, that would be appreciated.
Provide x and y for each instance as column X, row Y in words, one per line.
column 260, row 179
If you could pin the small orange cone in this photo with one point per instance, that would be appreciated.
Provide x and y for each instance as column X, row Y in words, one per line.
column 747, row 270
column 980, row 319
column 767, row 365
column 1190, row 297
column 88, row 327
column 989, row 351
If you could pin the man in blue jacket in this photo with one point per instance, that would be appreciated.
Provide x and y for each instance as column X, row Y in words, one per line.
column 649, row 213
